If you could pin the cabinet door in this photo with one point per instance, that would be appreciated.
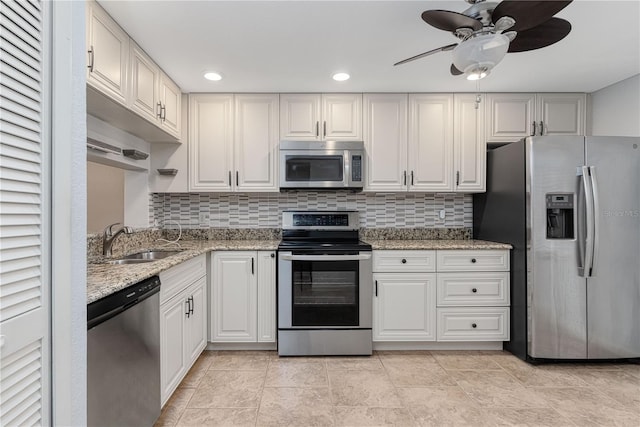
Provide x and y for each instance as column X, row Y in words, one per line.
column 385, row 140
column 266, row 296
column 300, row 117
column 404, row 307
column 108, row 50
column 430, row 147
column 145, row 77
column 196, row 325
column 256, row 142
column 341, row 117
column 173, row 360
column 561, row 114
column 234, row 297
column 171, row 104
column 510, row 116
column 469, row 146
column 210, row 142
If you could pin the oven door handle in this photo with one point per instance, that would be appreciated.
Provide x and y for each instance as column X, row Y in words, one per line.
column 360, row 257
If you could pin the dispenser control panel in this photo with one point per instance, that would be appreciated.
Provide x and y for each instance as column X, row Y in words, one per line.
column 560, row 216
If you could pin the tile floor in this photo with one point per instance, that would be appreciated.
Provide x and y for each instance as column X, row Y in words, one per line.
column 421, row 388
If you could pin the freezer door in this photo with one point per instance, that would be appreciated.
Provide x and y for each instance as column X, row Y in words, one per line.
column 613, row 293
column 556, row 294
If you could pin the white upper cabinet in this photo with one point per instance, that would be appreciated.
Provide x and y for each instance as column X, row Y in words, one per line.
column 469, row 145
column 311, row 117
column 512, row 116
column 430, row 149
column 233, row 142
column 210, row 142
column 145, row 77
column 108, row 54
column 385, row 140
column 256, row 142
column 170, row 105
column 561, row 113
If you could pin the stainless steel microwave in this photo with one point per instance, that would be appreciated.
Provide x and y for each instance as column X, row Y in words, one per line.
column 322, row 165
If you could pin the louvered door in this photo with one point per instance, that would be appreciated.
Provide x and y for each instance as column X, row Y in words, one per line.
column 24, row 293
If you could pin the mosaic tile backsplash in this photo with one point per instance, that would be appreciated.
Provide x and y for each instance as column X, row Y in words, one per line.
column 262, row 210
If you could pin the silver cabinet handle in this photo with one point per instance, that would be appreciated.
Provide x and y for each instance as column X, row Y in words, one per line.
column 317, row 128
column 163, row 110
column 404, row 180
column 324, row 129
column 237, row 178
column 457, row 178
column 411, row 177
column 535, row 127
column 191, row 305
column 360, row 257
column 541, row 127
column 91, row 59
column 159, row 114
column 253, row 271
column 188, row 312
column 229, row 178
column 376, row 288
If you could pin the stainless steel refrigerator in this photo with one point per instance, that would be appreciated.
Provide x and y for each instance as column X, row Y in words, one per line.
column 570, row 206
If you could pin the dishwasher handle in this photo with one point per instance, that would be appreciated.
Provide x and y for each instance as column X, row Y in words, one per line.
column 110, row 306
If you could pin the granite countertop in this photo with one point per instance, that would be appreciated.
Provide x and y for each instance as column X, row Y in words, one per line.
column 104, row 279
column 435, row 244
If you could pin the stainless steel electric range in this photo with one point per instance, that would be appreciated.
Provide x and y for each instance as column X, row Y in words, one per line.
column 325, row 285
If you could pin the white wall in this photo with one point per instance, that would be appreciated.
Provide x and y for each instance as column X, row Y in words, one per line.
column 615, row 109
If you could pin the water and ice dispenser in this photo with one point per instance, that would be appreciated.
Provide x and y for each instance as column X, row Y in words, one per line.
column 560, row 216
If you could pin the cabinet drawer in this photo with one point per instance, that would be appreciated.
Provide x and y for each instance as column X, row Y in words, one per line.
column 473, row 289
column 177, row 278
column 404, row 261
column 473, row 324
column 467, row 260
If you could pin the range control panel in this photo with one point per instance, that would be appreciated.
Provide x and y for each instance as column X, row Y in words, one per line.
column 320, row 220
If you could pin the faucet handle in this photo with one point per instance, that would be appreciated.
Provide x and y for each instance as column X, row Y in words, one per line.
column 108, row 229
column 127, row 229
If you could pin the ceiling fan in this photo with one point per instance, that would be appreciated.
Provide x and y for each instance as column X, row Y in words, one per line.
column 488, row 30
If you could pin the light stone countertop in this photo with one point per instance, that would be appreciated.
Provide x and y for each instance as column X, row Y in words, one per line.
column 435, row 244
column 105, row 279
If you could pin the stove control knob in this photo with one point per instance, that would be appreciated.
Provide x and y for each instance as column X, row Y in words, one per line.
column 404, row 261
column 273, row 255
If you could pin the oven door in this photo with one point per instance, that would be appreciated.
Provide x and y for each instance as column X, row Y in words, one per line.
column 313, row 169
column 325, row 291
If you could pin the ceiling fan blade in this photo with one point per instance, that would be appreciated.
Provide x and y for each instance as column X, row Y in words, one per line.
column 546, row 34
column 450, row 21
column 455, row 71
column 430, row 52
column 528, row 14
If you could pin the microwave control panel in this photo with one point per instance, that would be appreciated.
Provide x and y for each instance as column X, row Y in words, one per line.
column 356, row 168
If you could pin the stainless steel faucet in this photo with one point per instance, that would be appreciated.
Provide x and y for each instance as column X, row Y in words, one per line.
column 109, row 236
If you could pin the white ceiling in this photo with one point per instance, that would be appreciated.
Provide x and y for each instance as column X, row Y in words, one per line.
column 295, row 46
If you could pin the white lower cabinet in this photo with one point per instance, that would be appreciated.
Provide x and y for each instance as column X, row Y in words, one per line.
column 443, row 295
column 183, row 321
column 243, row 296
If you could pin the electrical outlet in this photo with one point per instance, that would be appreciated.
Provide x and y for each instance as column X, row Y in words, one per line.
column 441, row 214
column 204, row 218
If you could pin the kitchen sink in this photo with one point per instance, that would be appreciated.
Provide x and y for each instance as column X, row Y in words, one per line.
column 128, row 261
column 149, row 255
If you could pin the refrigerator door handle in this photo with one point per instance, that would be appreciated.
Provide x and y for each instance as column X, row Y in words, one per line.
column 585, row 269
column 596, row 220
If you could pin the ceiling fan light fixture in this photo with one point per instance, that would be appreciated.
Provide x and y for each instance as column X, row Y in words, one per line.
column 476, row 56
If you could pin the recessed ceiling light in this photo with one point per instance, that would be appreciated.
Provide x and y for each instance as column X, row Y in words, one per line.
column 340, row 77
column 212, row 76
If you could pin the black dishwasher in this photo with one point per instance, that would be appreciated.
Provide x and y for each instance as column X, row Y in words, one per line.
column 123, row 357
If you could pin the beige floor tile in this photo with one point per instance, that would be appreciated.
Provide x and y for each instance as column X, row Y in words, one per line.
column 296, row 374
column 631, row 368
column 541, row 375
column 362, row 388
column 197, row 371
column 228, row 389
column 409, row 355
column 407, row 374
column 174, row 407
column 364, row 416
column 620, row 385
column 587, row 407
column 534, row 417
column 287, row 406
column 464, row 360
column 444, row 406
column 218, row 417
column 498, row 389
column 235, row 361
column 369, row 363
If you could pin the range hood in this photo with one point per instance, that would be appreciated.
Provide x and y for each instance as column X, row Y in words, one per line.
column 111, row 146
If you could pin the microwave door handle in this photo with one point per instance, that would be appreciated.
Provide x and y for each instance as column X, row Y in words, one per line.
column 360, row 257
column 347, row 168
